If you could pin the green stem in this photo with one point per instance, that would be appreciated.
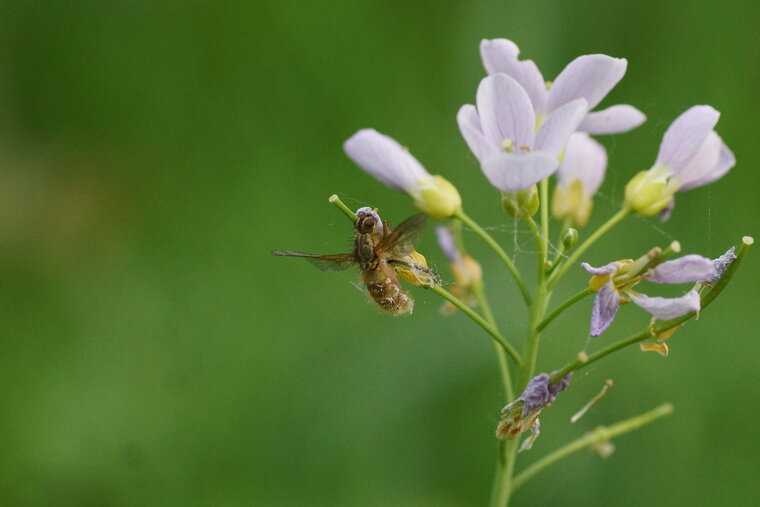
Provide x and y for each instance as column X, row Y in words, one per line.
column 479, row 293
column 564, row 306
column 469, row 222
column 573, row 259
column 335, row 201
column 508, row 348
column 598, row 435
column 502, row 485
column 544, row 186
column 583, row 360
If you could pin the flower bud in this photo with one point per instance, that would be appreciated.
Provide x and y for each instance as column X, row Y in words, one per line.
column 570, row 239
column 523, row 203
column 437, row 197
column 417, row 271
column 467, row 272
column 572, row 202
column 650, row 192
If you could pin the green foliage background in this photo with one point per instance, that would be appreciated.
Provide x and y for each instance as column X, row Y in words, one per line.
column 154, row 353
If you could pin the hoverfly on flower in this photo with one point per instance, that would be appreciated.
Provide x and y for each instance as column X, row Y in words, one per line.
column 383, row 255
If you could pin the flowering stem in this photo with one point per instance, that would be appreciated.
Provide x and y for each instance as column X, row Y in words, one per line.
column 335, row 201
column 545, row 208
column 480, row 296
column 573, row 259
column 707, row 298
column 596, row 436
column 564, row 306
column 502, row 486
column 509, row 349
column 469, row 222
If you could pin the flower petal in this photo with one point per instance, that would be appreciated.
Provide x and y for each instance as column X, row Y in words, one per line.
column 500, row 55
column 447, row 243
column 505, row 111
column 712, row 161
column 689, row 268
column 667, row 308
column 606, row 304
column 554, row 133
column 613, row 120
column 585, row 160
column 607, row 269
column 685, row 136
column 469, row 126
column 590, row 77
column 509, row 172
column 721, row 264
column 385, row 159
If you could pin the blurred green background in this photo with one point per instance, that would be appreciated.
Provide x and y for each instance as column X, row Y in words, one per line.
column 154, row 353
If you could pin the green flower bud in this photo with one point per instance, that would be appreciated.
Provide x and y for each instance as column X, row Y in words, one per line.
column 523, row 203
column 570, row 238
column 650, row 192
column 438, row 198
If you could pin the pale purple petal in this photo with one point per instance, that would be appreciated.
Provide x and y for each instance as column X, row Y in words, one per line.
column 613, row 120
column 385, row 159
column 721, row 264
column 712, row 161
column 509, row 172
column 590, row 77
column 505, row 111
column 667, row 210
column 500, row 55
column 585, row 160
column 667, row 308
column 606, row 304
column 540, row 392
column 689, row 268
column 685, row 136
column 469, row 126
column 447, row 243
column 607, row 269
column 554, row 133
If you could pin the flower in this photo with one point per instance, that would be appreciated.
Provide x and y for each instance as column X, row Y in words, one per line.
column 392, row 164
column 522, row 414
column 578, row 178
column 466, row 270
column 691, row 155
column 614, row 284
column 721, row 265
column 502, row 133
column 589, row 76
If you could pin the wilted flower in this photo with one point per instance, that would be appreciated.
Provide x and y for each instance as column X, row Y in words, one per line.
column 502, row 132
column 691, row 155
column 614, row 284
column 392, row 164
column 590, row 77
column 522, row 414
column 578, row 178
column 721, row 264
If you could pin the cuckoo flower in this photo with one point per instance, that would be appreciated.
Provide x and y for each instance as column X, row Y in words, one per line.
column 392, row 164
column 502, row 133
column 578, row 179
column 614, row 284
column 691, row 155
column 522, row 414
column 590, row 77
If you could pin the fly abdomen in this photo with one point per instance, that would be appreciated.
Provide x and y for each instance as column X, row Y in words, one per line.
column 389, row 296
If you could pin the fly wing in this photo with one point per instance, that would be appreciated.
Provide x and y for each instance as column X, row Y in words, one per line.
column 401, row 241
column 337, row 262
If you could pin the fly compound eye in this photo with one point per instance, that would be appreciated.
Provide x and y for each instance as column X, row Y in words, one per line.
column 369, row 223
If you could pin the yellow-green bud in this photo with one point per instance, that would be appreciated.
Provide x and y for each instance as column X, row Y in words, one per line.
column 570, row 238
column 438, row 198
column 572, row 201
column 523, row 203
column 650, row 192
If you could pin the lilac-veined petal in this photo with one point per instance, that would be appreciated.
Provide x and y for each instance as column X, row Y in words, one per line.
column 509, row 172
column 554, row 133
column 667, row 308
column 607, row 269
column 686, row 135
column 385, row 159
column 590, row 77
column 712, row 161
column 501, row 55
column 585, row 160
column 689, row 268
column 469, row 126
column 606, row 304
column 613, row 120
column 505, row 111
column 447, row 243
